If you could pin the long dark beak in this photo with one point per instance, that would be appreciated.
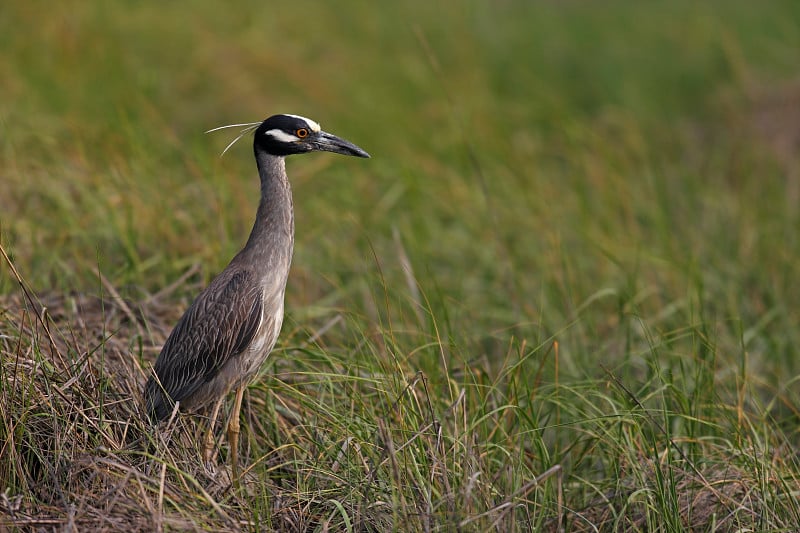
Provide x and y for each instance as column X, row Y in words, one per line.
column 331, row 143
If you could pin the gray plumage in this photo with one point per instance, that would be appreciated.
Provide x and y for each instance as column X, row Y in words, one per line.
column 231, row 327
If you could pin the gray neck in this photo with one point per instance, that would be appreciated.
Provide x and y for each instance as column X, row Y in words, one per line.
column 271, row 240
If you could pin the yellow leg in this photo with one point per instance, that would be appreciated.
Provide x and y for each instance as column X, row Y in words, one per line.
column 233, row 434
column 208, row 449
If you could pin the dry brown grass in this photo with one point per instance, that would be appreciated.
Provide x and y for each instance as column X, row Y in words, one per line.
column 75, row 441
column 720, row 498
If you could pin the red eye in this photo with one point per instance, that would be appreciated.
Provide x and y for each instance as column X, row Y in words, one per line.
column 302, row 133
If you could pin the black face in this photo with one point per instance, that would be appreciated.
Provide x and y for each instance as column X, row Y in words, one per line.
column 284, row 135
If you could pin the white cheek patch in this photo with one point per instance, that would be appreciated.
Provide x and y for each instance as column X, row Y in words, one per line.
column 281, row 136
column 313, row 126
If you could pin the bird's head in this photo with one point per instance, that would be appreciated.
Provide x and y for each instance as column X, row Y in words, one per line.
column 292, row 134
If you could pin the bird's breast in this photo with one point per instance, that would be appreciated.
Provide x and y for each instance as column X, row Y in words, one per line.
column 266, row 335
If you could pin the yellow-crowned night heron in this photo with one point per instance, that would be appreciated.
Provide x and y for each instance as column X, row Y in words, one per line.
column 229, row 330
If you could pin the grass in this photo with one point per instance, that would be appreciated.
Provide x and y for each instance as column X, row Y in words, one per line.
column 562, row 293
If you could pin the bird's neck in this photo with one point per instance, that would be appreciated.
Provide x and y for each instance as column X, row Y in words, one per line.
column 272, row 237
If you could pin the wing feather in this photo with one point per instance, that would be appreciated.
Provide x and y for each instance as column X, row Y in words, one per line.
column 219, row 325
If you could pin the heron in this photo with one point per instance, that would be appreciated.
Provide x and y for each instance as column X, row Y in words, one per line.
column 229, row 330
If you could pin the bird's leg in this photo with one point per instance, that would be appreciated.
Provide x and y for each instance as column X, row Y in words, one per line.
column 208, row 448
column 233, row 434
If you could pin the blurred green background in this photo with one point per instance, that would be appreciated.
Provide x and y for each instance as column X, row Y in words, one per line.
column 616, row 175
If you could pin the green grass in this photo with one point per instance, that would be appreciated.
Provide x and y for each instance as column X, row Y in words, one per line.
column 574, row 254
